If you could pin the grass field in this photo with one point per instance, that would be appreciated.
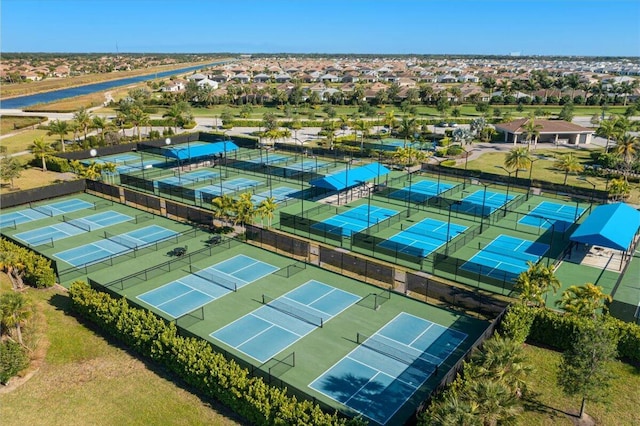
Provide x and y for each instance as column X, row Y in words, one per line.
column 33, row 178
column 548, row 404
column 84, row 378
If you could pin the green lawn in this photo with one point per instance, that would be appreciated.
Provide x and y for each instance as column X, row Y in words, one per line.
column 549, row 404
column 86, row 379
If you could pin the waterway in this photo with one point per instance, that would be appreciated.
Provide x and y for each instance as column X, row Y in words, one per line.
column 56, row 95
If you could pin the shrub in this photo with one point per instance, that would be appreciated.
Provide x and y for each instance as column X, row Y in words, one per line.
column 13, row 359
column 517, row 322
column 35, row 269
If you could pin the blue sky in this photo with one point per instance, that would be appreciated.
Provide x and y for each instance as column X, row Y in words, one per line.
column 497, row 27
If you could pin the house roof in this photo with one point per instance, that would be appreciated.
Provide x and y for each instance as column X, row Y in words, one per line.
column 546, row 126
column 603, row 226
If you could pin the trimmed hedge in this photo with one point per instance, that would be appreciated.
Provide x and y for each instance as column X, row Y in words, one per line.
column 195, row 361
column 13, row 359
column 36, row 269
column 557, row 330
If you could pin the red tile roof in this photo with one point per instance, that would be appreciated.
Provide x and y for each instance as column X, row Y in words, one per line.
column 547, row 126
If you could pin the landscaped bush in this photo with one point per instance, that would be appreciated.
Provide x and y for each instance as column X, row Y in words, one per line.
column 195, row 361
column 33, row 269
column 13, row 359
column 54, row 164
column 556, row 329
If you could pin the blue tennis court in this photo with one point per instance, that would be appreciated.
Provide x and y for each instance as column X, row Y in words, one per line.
column 505, row 257
column 269, row 159
column 49, row 233
column 354, row 220
column 548, row 214
column 380, row 375
column 281, row 322
column 203, row 286
column 423, row 238
column 188, row 178
column 42, row 211
column 233, row 185
column 303, row 166
column 116, row 244
column 473, row 203
column 280, row 194
column 99, row 220
column 115, row 159
column 420, row 192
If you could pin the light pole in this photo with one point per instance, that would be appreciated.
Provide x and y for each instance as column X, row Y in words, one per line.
column 484, row 198
column 167, row 142
column 446, row 250
column 593, row 190
column 409, row 198
column 508, row 186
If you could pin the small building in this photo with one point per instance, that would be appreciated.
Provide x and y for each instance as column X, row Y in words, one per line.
column 551, row 131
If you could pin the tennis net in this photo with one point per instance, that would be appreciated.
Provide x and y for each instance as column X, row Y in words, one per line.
column 213, row 278
column 293, row 311
column 414, row 360
column 506, row 250
column 42, row 209
column 78, row 223
column 123, row 241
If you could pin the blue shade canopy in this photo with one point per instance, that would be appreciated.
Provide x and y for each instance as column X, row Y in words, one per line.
column 348, row 178
column 611, row 225
column 184, row 151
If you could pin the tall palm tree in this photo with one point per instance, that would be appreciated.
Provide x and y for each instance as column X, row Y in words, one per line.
column 221, row 207
column 517, row 158
column 531, row 131
column 608, row 129
column 627, row 149
column 138, row 118
column 15, row 310
column 245, row 211
column 535, row 282
column 59, row 128
column 390, row 120
column 42, row 150
column 83, row 120
column 408, row 127
column 361, row 126
column 584, row 301
column 99, row 123
column 568, row 163
column 266, row 208
column 175, row 114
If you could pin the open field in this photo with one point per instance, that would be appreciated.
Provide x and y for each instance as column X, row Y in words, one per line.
column 86, row 379
column 50, row 84
column 12, row 123
column 33, row 178
column 548, row 405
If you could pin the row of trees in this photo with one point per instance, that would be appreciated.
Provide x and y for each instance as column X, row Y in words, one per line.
column 242, row 211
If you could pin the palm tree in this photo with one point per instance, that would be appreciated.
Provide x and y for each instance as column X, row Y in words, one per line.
column 409, row 155
column 99, row 123
column 408, row 128
column 454, row 410
column 221, row 207
column 608, row 129
column 390, row 120
column 496, row 404
column 15, row 310
column 627, row 149
column 83, row 119
column 535, row 282
column 584, row 301
column 531, row 131
column 244, row 209
column 266, row 208
column 59, row 128
column 517, row 158
column 175, row 114
column 361, row 126
column 568, row 163
column 502, row 359
column 42, row 150
column 138, row 118
column 619, row 189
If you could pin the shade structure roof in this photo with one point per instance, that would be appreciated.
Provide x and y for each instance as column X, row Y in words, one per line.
column 611, row 225
column 185, row 151
column 350, row 177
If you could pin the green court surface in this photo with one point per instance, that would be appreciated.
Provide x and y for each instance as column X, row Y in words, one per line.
column 317, row 348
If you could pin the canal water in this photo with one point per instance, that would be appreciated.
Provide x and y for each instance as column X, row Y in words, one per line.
column 56, row 95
